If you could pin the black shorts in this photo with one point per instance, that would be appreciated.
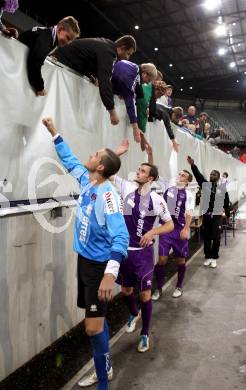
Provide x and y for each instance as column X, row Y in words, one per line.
column 90, row 274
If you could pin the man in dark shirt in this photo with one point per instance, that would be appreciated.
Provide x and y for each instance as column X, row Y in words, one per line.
column 215, row 136
column 42, row 41
column 214, row 201
column 94, row 57
column 191, row 116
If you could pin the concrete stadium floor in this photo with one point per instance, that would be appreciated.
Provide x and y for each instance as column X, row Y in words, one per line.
column 198, row 342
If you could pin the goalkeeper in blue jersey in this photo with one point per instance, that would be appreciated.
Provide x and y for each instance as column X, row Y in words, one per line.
column 101, row 241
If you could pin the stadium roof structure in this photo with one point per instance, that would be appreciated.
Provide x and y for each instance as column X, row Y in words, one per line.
column 199, row 45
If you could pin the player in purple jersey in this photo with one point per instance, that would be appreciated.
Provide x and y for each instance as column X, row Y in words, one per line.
column 180, row 202
column 141, row 207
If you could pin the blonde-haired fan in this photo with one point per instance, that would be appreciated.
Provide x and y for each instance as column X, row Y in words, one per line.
column 127, row 79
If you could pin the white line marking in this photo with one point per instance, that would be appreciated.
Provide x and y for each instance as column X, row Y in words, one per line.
column 88, row 366
column 239, row 331
column 242, row 369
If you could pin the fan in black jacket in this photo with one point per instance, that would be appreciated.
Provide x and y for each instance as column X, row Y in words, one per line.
column 42, row 41
column 157, row 110
column 214, row 201
column 94, row 58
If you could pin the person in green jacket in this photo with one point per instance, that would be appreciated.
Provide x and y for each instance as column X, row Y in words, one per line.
column 143, row 105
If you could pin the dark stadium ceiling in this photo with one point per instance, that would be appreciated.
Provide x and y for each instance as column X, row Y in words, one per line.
column 180, row 36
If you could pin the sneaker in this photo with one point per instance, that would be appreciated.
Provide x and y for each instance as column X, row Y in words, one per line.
column 143, row 345
column 132, row 322
column 213, row 264
column 156, row 295
column 207, row 262
column 177, row 292
column 91, row 379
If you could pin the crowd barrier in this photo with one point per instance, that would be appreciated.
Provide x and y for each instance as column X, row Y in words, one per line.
column 37, row 264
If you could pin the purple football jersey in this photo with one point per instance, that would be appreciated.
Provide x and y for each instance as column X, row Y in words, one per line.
column 140, row 211
column 178, row 201
column 139, row 216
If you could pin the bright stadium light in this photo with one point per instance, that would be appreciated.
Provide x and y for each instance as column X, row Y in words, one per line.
column 221, row 51
column 211, row 4
column 171, row 65
column 191, row 87
column 232, row 64
column 220, row 30
column 182, row 77
column 237, row 81
column 181, row 89
column 136, row 27
column 156, row 49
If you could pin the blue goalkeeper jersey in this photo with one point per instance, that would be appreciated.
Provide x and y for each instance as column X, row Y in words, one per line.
column 100, row 232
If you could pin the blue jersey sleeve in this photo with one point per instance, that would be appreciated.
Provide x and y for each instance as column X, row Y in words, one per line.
column 116, row 227
column 70, row 162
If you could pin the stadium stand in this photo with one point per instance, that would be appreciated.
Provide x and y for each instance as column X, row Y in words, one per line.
column 233, row 121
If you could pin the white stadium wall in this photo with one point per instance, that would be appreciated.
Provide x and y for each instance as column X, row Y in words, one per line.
column 38, row 267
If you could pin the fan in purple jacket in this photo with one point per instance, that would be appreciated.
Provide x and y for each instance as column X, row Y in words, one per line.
column 9, row 6
column 126, row 80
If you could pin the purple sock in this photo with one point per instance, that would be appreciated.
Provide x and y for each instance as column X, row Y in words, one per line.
column 159, row 275
column 146, row 309
column 130, row 301
column 181, row 274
